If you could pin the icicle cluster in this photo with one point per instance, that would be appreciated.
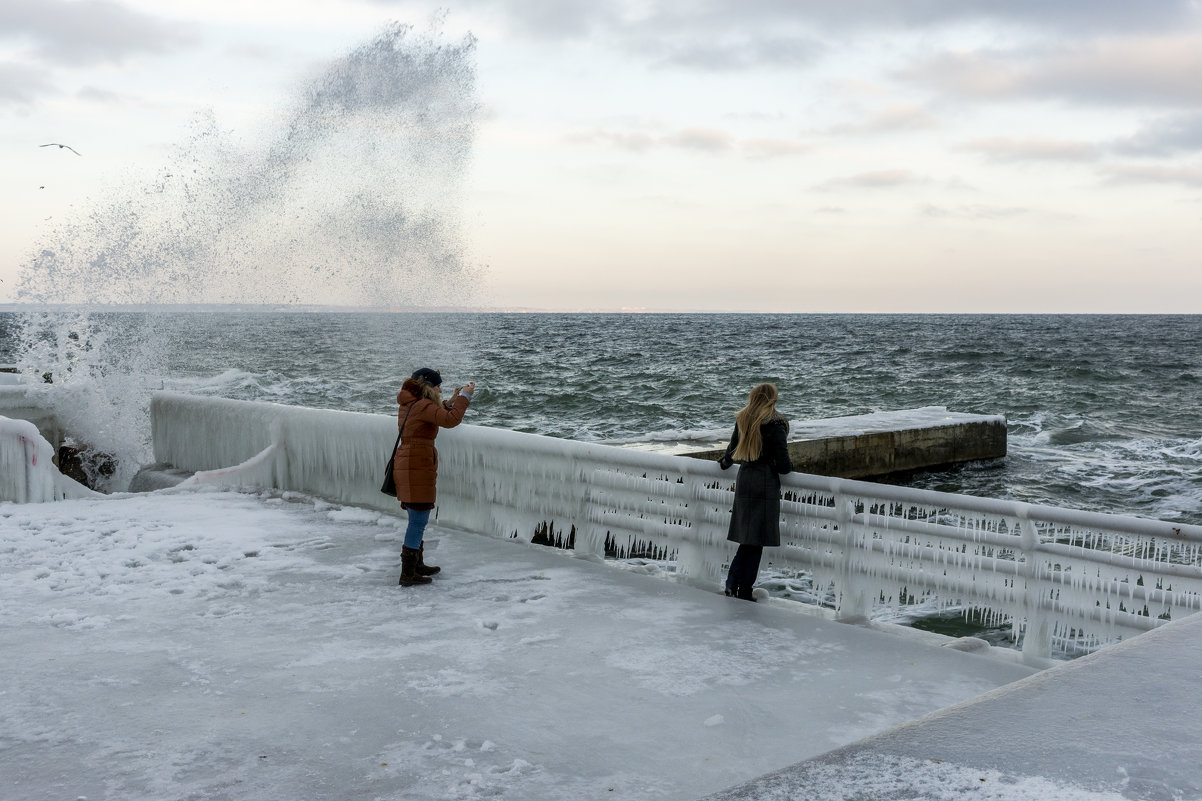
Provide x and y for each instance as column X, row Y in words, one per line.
column 1080, row 579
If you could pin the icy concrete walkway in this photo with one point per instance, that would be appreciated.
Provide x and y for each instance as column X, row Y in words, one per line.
column 226, row 646
column 1122, row 723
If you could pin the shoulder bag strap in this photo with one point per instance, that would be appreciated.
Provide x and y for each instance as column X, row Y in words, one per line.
column 402, row 429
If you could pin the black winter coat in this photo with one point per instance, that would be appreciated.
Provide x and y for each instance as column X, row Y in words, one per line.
column 755, row 519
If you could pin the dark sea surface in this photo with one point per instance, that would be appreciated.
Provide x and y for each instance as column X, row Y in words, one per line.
column 1104, row 412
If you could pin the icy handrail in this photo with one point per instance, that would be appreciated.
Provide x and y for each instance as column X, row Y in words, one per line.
column 27, row 470
column 1078, row 578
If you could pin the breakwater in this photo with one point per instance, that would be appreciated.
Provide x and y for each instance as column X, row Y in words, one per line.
column 891, row 443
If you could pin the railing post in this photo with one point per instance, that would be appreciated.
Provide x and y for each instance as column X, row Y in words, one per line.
column 692, row 562
column 854, row 604
column 713, row 553
column 28, row 449
column 1037, row 638
column 590, row 544
column 277, row 470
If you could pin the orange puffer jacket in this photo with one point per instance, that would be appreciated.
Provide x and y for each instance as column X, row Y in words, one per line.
column 415, row 468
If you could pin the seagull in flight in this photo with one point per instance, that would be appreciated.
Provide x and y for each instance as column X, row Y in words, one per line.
column 60, row 147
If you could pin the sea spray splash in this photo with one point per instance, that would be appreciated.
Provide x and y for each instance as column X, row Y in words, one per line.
column 351, row 198
column 101, row 371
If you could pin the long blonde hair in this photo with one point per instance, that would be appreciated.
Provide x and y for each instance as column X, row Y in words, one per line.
column 429, row 391
column 760, row 408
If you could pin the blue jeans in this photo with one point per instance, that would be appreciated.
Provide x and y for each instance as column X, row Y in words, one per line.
column 418, row 518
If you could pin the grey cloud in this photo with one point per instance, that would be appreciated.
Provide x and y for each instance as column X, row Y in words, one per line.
column 557, row 19
column 874, row 179
column 553, row 20
column 980, row 73
column 1186, row 175
column 89, row 31
column 773, row 148
column 706, row 140
column 1004, row 149
column 1073, row 15
column 720, row 35
column 253, row 52
column 635, row 141
column 1165, row 137
column 737, row 55
column 892, row 119
column 96, row 95
column 572, row 19
column 22, row 85
column 973, row 212
column 1139, row 70
column 755, row 116
column 958, row 184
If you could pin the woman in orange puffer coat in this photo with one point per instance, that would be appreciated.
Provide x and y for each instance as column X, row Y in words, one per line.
column 415, row 468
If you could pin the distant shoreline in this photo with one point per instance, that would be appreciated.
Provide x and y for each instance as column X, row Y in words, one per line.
column 238, row 308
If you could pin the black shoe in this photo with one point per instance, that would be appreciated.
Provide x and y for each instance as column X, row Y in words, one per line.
column 409, row 574
column 424, row 569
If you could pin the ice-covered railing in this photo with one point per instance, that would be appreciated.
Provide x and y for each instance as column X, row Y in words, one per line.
column 27, row 470
column 1073, row 576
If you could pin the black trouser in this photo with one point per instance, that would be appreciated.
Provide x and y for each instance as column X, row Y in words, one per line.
column 743, row 570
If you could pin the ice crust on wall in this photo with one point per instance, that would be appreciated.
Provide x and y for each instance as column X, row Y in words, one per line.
column 1078, row 577
column 27, row 470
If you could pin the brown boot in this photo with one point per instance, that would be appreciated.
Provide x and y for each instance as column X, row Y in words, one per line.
column 424, row 569
column 409, row 574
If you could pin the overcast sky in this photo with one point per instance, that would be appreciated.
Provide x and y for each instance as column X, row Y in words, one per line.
column 759, row 155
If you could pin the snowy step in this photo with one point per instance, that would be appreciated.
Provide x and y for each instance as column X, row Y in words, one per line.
column 872, row 445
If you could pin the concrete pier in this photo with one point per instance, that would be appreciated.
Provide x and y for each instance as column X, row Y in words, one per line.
column 880, row 444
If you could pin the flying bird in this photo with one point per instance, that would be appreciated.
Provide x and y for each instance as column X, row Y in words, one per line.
column 60, row 147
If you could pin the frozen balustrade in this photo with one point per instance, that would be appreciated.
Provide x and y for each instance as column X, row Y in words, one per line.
column 27, row 470
column 1052, row 573
column 17, row 403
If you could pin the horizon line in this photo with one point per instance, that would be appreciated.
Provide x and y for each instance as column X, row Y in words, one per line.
column 283, row 308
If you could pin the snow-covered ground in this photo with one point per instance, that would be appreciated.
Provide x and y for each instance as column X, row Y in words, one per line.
column 217, row 645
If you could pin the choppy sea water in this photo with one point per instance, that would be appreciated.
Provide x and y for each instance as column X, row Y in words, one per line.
column 1104, row 412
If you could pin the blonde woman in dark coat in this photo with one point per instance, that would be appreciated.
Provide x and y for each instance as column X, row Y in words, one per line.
column 759, row 445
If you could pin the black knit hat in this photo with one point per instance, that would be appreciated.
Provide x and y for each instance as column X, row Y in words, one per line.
column 427, row 376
